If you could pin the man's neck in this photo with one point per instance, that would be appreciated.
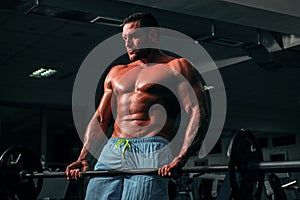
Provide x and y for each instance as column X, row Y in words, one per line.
column 156, row 56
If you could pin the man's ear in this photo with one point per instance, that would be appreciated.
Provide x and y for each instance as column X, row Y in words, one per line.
column 153, row 35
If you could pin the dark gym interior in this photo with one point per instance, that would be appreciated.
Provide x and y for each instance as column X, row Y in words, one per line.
column 254, row 44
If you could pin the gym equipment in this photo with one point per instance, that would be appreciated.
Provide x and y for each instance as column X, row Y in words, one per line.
column 21, row 174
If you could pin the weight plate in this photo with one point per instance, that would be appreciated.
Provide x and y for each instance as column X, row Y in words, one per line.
column 275, row 184
column 16, row 160
column 244, row 150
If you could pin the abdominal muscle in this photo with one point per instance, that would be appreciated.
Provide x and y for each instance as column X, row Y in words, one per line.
column 140, row 114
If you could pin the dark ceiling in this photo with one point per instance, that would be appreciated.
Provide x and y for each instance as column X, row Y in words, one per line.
column 256, row 48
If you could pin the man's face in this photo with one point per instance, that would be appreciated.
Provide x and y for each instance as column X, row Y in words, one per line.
column 135, row 41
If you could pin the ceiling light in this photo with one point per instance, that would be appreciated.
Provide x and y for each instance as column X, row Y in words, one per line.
column 43, row 73
column 107, row 21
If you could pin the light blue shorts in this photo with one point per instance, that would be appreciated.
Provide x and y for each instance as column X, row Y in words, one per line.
column 131, row 153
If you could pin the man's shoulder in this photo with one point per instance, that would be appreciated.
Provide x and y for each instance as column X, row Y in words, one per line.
column 181, row 61
column 180, row 64
column 118, row 67
column 115, row 70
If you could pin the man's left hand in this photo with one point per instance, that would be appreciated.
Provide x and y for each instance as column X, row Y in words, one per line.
column 172, row 170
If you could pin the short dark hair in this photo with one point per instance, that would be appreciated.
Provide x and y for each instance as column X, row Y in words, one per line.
column 146, row 19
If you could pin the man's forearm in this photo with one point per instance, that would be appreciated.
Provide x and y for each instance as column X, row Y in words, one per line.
column 84, row 154
column 94, row 139
column 192, row 143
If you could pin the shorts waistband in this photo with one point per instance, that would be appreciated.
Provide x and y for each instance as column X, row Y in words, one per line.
column 141, row 140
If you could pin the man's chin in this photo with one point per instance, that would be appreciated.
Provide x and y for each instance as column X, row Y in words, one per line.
column 138, row 55
column 133, row 58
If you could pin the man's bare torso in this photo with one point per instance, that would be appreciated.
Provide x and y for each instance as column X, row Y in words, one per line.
column 145, row 104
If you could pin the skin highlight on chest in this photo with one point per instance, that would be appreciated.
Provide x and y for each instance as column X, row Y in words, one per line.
column 143, row 78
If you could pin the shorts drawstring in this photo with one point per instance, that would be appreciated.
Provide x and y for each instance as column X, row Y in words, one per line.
column 126, row 145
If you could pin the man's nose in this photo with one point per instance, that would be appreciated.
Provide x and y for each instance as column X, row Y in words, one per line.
column 128, row 43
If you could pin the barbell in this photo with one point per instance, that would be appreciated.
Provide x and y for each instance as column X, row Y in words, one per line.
column 21, row 173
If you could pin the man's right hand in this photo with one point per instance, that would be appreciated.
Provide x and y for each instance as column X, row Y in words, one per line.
column 73, row 170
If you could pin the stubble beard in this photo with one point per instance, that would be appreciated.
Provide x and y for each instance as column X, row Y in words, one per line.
column 142, row 53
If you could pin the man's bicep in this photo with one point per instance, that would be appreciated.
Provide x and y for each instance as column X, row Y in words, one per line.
column 104, row 107
column 196, row 82
column 106, row 101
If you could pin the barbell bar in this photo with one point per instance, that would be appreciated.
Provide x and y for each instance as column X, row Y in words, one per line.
column 116, row 172
column 21, row 170
column 262, row 167
column 275, row 167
